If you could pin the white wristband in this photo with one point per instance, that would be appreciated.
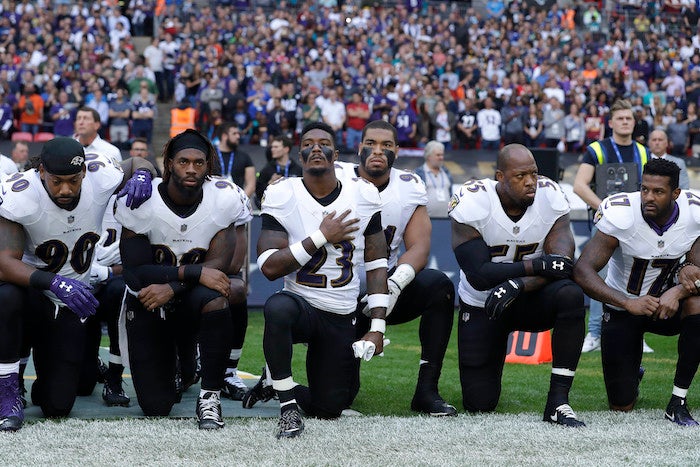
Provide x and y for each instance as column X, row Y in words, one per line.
column 378, row 300
column 264, row 256
column 318, row 238
column 403, row 275
column 376, row 264
column 378, row 325
column 299, row 252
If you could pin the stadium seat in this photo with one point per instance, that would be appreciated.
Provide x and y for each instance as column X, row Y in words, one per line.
column 43, row 136
column 22, row 136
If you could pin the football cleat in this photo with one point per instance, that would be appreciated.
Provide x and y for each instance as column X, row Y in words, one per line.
column 562, row 415
column 260, row 392
column 102, row 370
column 677, row 412
column 290, row 425
column 209, row 412
column 433, row 405
column 11, row 409
column 234, row 387
column 113, row 394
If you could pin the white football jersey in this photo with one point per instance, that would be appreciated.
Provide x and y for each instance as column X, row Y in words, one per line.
column 648, row 260
column 477, row 204
column 329, row 281
column 404, row 193
column 111, row 232
column 247, row 214
column 58, row 240
column 179, row 240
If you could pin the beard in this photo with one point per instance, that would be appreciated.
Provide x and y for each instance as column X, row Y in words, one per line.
column 187, row 191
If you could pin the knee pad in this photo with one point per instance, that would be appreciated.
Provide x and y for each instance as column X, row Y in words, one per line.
column 569, row 301
column 281, row 308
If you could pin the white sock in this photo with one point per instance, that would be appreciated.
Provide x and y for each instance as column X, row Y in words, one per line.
column 679, row 392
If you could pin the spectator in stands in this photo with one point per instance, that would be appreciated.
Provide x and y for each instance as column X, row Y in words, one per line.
column 592, row 18
column 357, row 117
column 62, row 113
column 443, row 123
column 211, row 99
column 513, row 117
column 658, row 145
column 87, row 126
column 17, row 162
column 553, row 120
column 678, row 134
column 119, row 116
column 31, row 109
column 97, row 100
column 437, row 178
column 6, row 118
column 693, row 129
column 139, row 78
column 154, row 57
column 641, row 125
column 235, row 164
column 673, row 82
column 333, row 113
column 232, row 96
column 467, row 128
column 143, row 112
column 488, row 120
column 594, row 125
column 405, row 121
column 139, row 148
column 574, row 128
column 280, row 165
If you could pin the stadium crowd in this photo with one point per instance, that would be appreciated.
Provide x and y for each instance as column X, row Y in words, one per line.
column 443, row 71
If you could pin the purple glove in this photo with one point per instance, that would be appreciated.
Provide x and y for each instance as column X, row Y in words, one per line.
column 137, row 189
column 75, row 294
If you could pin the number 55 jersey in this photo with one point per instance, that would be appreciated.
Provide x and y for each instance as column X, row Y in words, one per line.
column 648, row 260
column 329, row 281
column 477, row 205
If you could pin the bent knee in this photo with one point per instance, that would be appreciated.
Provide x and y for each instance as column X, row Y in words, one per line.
column 218, row 303
column 238, row 292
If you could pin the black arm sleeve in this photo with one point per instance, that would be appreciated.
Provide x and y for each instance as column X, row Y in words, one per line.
column 474, row 259
column 270, row 223
column 375, row 224
column 138, row 270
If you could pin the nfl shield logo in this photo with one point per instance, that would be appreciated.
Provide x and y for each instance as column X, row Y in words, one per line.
column 516, row 230
column 183, row 227
column 71, row 219
column 661, row 244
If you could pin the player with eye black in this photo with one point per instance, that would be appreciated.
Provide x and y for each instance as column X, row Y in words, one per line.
column 414, row 291
column 512, row 240
column 176, row 249
column 652, row 229
column 316, row 230
column 50, row 220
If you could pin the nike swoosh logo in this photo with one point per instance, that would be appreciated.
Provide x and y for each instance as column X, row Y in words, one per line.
column 554, row 417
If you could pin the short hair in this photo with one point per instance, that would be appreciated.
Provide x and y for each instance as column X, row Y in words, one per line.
column 318, row 126
column 19, row 143
column 663, row 168
column 286, row 142
column 139, row 139
column 431, row 147
column 620, row 104
column 227, row 126
column 95, row 113
column 382, row 125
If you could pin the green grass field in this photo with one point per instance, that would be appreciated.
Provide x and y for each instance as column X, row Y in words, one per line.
column 388, row 382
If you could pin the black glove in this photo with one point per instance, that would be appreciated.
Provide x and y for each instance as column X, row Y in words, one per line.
column 553, row 266
column 501, row 296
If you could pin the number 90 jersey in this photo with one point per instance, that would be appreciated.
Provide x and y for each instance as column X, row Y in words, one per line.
column 477, row 204
column 400, row 198
column 329, row 281
column 648, row 260
column 58, row 240
column 179, row 240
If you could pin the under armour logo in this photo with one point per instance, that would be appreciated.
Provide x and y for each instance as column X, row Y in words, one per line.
column 141, row 178
column 559, row 265
column 77, row 160
column 65, row 286
column 500, row 292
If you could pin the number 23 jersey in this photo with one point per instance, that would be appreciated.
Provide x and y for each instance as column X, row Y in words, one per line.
column 329, row 280
column 477, row 204
column 648, row 260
